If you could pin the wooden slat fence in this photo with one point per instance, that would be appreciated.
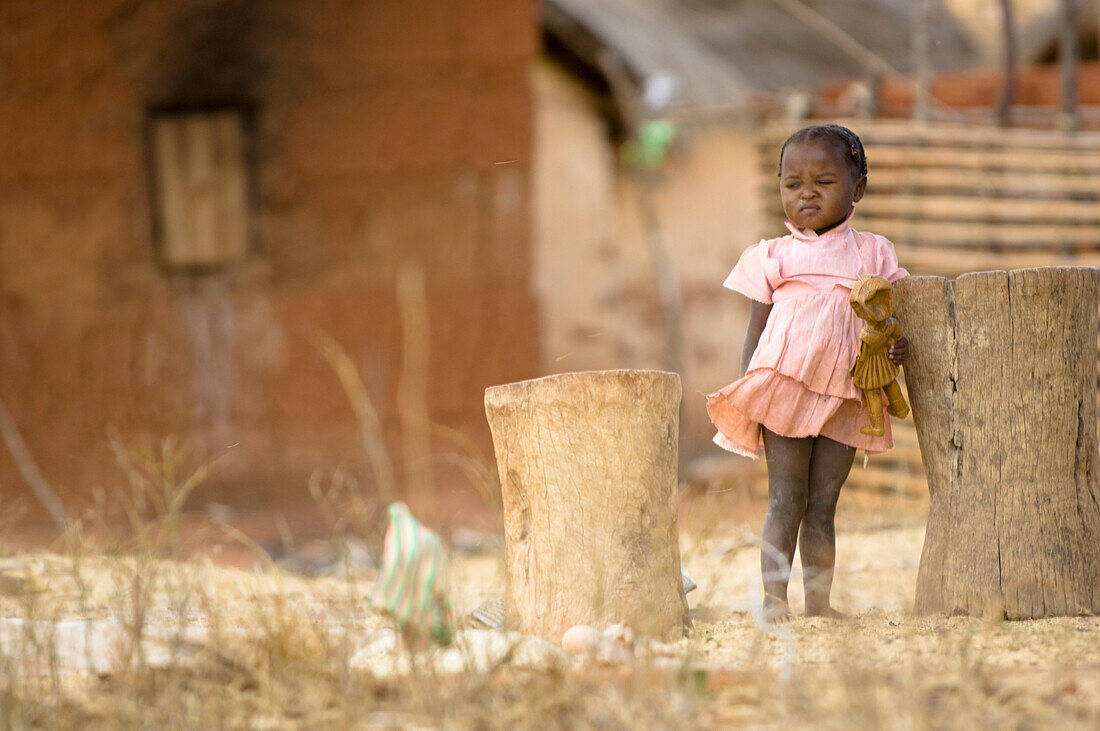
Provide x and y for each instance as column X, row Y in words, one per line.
column 956, row 199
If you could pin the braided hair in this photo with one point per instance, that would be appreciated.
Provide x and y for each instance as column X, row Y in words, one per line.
column 844, row 138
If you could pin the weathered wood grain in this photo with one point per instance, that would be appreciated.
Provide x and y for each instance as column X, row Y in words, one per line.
column 1002, row 380
column 587, row 465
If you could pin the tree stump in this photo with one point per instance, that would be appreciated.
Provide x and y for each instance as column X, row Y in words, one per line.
column 587, row 466
column 1002, row 380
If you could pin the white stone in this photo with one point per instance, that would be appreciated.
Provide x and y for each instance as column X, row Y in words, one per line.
column 473, row 650
column 580, row 639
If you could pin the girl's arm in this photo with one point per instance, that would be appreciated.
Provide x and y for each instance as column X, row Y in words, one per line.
column 758, row 318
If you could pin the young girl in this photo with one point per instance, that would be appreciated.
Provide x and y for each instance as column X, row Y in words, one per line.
column 795, row 395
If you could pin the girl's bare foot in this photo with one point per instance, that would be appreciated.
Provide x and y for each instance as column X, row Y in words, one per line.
column 827, row 612
column 776, row 611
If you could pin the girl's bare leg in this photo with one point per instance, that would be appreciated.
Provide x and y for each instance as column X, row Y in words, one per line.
column 788, row 492
column 830, row 463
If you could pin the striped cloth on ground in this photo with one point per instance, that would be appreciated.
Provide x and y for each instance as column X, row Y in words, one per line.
column 412, row 583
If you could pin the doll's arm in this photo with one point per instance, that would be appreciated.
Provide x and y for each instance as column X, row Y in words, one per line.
column 758, row 319
column 872, row 338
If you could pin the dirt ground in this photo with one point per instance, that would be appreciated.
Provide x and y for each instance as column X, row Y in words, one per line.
column 881, row 668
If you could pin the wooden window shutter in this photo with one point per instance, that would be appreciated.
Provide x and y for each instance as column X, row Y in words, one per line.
column 199, row 164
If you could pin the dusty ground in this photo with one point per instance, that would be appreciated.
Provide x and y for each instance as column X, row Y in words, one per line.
column 266, row 637
column 883, row 667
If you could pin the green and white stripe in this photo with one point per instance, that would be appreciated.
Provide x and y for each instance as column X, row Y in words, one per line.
column 411, row 586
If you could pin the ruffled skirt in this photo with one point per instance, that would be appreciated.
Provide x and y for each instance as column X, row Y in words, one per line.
column 787, row 407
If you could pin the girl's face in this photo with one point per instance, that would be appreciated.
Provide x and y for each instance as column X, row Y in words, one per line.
column 816, row 184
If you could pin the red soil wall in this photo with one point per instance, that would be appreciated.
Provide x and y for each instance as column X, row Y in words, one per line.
column 383, row 131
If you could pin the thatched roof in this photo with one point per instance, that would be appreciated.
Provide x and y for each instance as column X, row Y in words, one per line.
column 774, row 50
column 721, row 50
column 648, row 45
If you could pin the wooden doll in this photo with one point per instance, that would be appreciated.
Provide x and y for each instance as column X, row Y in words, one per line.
column 872, row 372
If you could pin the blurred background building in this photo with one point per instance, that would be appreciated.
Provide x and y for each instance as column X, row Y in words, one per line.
column 211, row 210
column 191, row 191
column 746, row 73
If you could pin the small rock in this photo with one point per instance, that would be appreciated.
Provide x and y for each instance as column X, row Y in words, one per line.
column 378, row 643
column 616, row 645
column 580, row 639
column 620, row 634
column 480, row 650
column 613, row 646
column 661, row 649
column 472, row 651
column 489, row 614
column 689, row 583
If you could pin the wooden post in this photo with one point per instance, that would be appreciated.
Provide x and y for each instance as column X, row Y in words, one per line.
column 1002, row 380
column 587, row 466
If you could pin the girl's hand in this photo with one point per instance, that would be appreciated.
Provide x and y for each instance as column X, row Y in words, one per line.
column 899, row 351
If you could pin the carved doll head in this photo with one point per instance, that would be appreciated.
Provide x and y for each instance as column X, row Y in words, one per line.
column 872, row 298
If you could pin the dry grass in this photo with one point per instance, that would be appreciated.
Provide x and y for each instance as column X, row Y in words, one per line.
column 119, row 630
column 193, row 645
column 122, row 631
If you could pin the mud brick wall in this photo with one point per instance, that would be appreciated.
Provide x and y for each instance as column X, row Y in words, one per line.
column 378, row 132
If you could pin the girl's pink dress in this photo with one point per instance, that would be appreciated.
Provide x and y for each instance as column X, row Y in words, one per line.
column 797, row 383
